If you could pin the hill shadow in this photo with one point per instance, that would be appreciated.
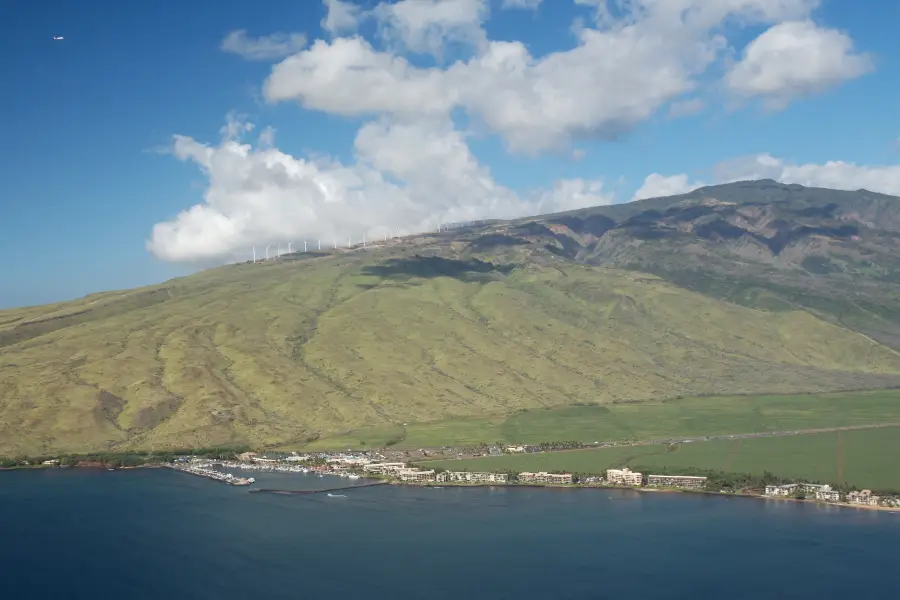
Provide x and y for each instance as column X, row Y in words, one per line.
column 405, row 269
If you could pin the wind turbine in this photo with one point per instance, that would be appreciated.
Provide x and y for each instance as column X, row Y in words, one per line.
column 304, row 245
column 364, row 240
column 278, row 251
column 349, row 242
column 254, row 254
column 267, row 251
column 289, row 247
column 334, row 241
column 320, row 244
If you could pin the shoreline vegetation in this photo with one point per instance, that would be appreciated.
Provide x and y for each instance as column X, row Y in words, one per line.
column 748, row 486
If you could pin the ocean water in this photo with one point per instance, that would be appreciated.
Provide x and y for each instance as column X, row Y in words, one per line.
column 160, row 534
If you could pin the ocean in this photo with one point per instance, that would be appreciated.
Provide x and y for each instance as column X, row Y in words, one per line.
column 155, row 533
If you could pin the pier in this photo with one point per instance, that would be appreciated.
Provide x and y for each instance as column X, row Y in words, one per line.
column 311, row 492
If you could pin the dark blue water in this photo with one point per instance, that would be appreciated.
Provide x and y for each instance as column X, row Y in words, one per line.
column 160, row 534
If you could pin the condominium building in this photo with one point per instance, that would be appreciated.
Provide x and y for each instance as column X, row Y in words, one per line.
column 678, row 481
column 624, row 477
column 466, row 477
column 826, row 494
column 384, row 468
column 415, row 475
column 865, row 497
column 781, row 490
column 544, row 477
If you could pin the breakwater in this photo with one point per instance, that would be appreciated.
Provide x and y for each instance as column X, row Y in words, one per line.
column 310, row 492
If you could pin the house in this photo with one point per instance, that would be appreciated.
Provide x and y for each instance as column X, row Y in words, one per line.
column 624, row 476
column 544, row 477
column 677, row 481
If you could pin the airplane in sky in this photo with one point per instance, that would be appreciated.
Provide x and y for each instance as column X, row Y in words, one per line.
column 57, row 37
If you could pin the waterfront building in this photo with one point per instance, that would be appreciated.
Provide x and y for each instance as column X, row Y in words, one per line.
column 826, row 494
column 544, row 477
column 466, row 477
column 416, row 475
column 781, row 490
column 624, row 476
column 864, row 497
column 678, row 481
column 384, row 468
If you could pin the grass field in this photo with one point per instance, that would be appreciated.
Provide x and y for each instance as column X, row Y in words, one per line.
column 687, row 417
column 276, row 354
column 864, row 458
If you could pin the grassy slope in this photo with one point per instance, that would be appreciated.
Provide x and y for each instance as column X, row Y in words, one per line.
column 281, row 353
column 688, row 417
column 868, row 456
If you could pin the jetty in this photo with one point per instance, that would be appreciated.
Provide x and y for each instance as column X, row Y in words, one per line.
column 311, row 492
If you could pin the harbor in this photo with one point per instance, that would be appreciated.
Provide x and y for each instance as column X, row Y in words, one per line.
column 206, row 469
column 310, row 492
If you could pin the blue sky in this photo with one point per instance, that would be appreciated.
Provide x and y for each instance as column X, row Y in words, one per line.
column 93, row 184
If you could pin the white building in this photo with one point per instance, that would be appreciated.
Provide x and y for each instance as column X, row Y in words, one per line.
column 677, row 481
column 466, row 477
column 826, row 494
column 781, row 490
column 864, row 497
column 624, row 476
column 416, row 475
column 384, row 468
column 544, row 477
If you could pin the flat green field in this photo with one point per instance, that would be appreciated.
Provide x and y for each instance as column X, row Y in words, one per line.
column 689, row 417
column 864, row 458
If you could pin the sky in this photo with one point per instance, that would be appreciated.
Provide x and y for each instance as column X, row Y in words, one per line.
column 157, row 139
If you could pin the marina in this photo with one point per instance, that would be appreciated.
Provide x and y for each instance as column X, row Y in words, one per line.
column 205, row 469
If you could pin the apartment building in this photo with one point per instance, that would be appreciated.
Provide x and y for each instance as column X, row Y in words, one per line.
column 544, row 477
column 466, row 477
column 677, row 481
column 415, row 475
column 865, row 497
column 826, row 494
column 624, row 476
column 384, row 468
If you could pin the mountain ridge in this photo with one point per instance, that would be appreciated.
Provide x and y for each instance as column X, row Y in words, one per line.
column 759, row 292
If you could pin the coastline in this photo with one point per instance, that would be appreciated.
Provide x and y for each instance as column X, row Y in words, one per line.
column 642, row 489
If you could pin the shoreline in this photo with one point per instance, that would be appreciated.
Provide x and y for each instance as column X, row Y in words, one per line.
column 642, row 489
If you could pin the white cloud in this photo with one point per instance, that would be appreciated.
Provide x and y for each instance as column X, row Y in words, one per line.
column 795, row 59
column 341, row 17
column 267, row 47
column 413, row 167
column 348, row 77
column 657, row 186
column 835, row 174
column 523, row 4
column 647, row 55
column 408, row 175
column 424, row 26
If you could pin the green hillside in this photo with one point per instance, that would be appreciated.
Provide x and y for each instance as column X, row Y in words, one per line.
column 280, row 353
column 758, row 288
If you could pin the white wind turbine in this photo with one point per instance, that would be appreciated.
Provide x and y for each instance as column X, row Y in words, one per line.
column 267, row 251
column 320, row 244
column 254, row 254
column 304, row 245
column 289, row 247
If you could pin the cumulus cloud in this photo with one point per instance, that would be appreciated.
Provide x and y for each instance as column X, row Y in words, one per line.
column 523, row 4
column 412, row 165
column 644, row 55
column 835, row 174
column 267, row 47
column 425, row 26
column 656, row 186
column 409, row 175
column 341, row 17
column 795, row 59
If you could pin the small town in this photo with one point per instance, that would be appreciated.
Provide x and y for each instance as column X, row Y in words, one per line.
column 374, row 466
